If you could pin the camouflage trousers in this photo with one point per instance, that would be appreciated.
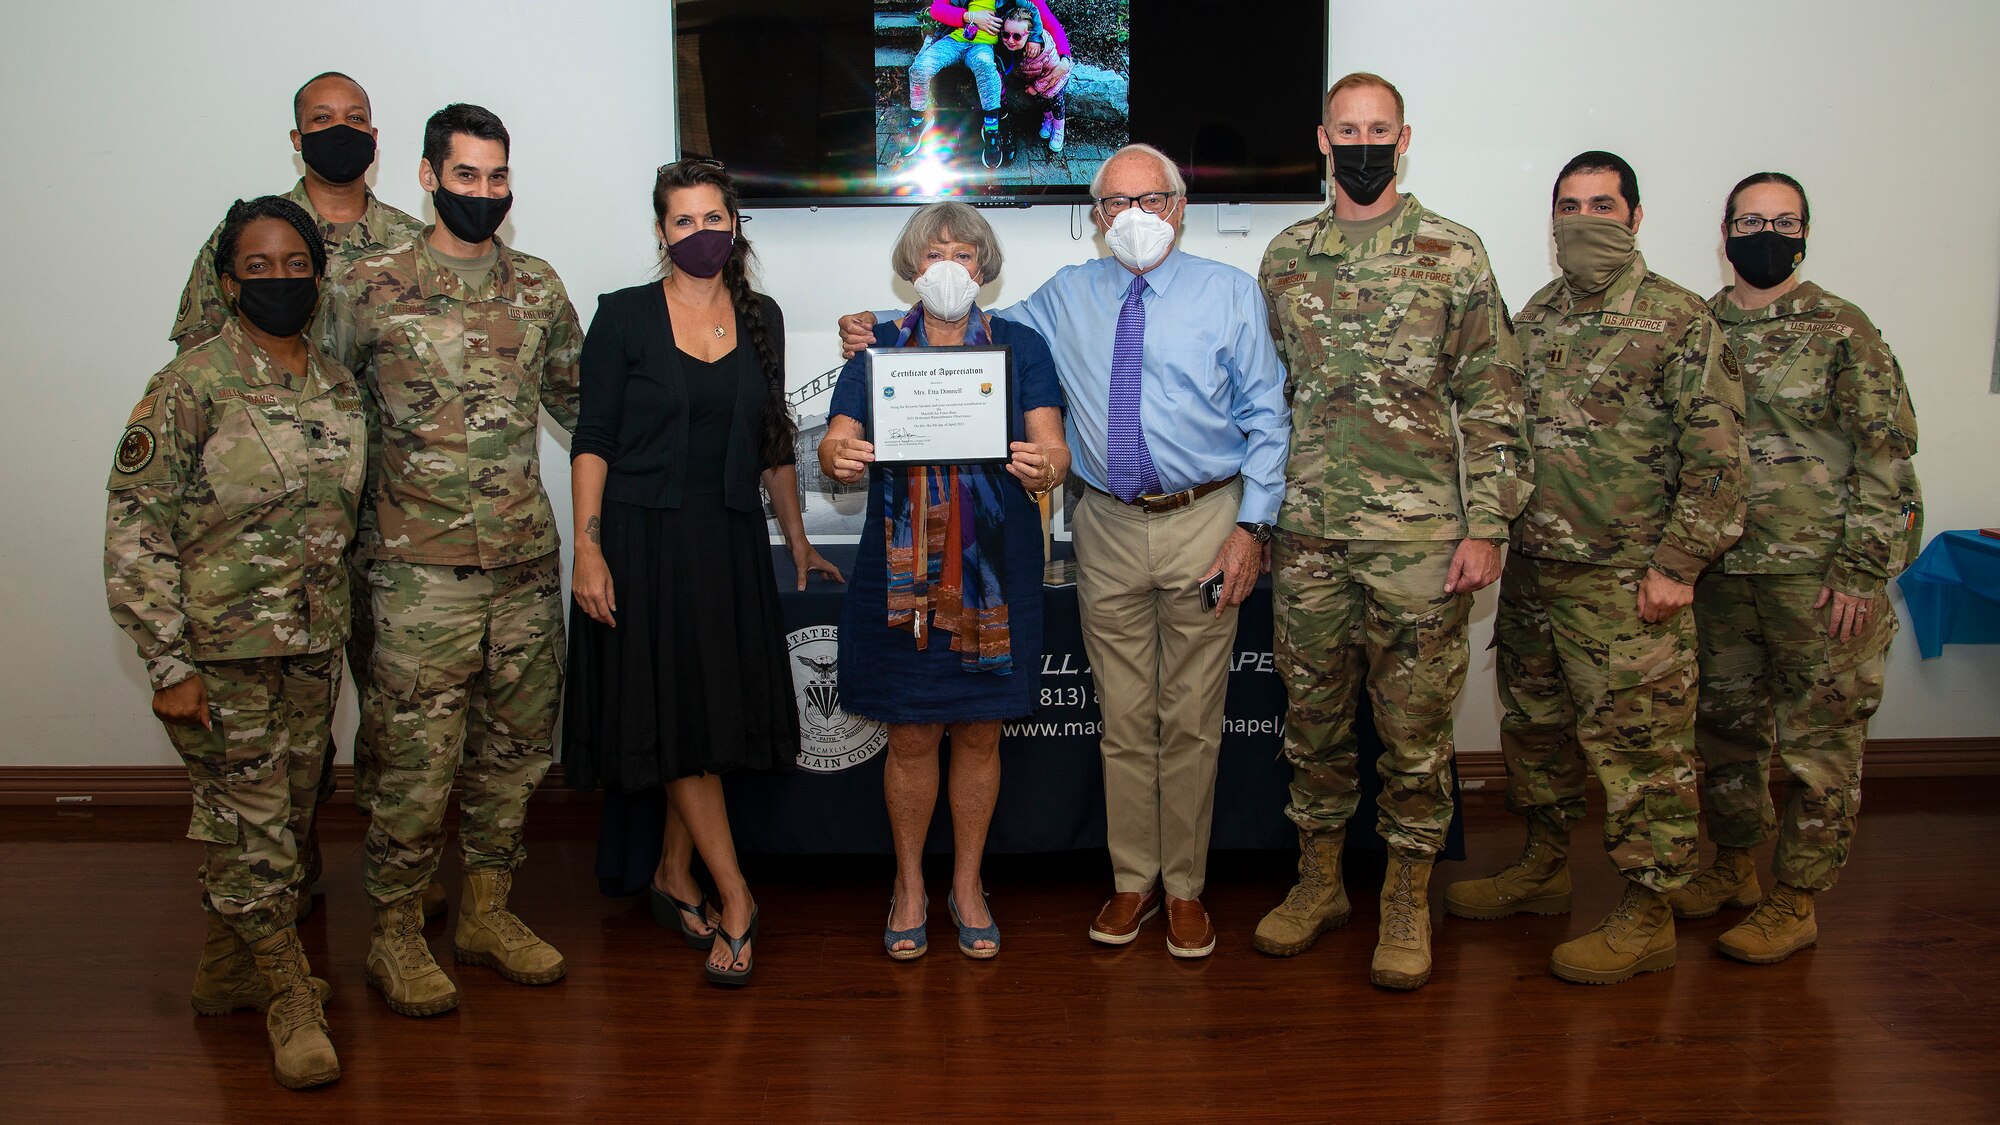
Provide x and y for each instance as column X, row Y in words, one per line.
column 1583, row 679
column 1353, row 611
column 360, row 651
column 451, row 644
column 1773, row 680
column 255, row 776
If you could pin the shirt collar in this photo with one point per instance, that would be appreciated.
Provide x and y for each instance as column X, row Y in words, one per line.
column 366, row 231
column 1617, row 296
column 1161, row 277
column 260, row 370
column 1803, row 298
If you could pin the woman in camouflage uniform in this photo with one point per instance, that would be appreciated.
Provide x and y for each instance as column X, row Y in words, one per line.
column 1794, row 621
column 234, row 492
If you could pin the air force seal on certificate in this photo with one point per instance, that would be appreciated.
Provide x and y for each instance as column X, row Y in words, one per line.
column 830, row 740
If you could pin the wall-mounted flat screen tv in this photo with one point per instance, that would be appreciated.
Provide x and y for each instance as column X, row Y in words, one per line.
column 816, row 102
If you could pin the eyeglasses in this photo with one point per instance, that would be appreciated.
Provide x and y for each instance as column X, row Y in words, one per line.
column 1152, row 203
column 1788, row 225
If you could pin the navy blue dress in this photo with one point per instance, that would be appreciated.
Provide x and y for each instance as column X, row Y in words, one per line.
column 883, row 675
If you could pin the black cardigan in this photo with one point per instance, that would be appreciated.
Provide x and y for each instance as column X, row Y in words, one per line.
column 634, row 411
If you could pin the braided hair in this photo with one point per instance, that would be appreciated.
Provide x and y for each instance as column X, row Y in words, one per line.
column 780, row 433
column 242, row 214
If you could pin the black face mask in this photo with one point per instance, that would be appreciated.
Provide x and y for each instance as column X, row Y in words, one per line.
column 1766, row 258
column 472, row 218
column 280, row 306
column 1364, row 171
column 340, row 154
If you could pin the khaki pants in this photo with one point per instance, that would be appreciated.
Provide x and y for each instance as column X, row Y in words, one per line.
column 1161, row 665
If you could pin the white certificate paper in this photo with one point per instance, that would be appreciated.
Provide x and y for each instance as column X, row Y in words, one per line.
column 939, row 406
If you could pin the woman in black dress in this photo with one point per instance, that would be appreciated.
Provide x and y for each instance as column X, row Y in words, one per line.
column 677, row 661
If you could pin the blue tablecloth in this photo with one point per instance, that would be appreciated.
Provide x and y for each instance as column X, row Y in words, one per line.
column 1953, row 591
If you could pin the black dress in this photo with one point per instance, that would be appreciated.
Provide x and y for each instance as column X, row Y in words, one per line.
column 694, row 676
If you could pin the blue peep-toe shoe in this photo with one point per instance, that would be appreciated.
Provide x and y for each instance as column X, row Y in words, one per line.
column 967, row 935
column 917, row 933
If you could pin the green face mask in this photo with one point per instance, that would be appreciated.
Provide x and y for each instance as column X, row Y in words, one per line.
column 1591, row 250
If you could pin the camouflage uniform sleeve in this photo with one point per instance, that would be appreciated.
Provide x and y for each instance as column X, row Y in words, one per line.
column 201, row 310
column 1871, row 406
column 1275, row 324
column 156, row 458
column 562, row 363
column 1491, row 394
column 1708, row 413
column 340, row 313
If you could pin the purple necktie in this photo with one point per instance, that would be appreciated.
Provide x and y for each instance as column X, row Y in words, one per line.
column 1127, row 460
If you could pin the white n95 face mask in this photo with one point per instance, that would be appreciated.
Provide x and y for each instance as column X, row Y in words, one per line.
column 1139, row 239
column 947, row 290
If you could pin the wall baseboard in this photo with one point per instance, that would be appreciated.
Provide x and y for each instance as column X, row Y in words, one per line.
column 93, row 786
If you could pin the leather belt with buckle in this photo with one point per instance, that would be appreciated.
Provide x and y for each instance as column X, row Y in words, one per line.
column 1173, row 501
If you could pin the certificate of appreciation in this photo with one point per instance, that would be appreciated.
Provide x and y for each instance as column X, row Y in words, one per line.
column 939, row 406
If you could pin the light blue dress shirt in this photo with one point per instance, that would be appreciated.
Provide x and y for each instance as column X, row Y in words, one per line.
column 1212, row 400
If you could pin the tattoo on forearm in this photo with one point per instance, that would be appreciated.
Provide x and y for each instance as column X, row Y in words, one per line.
column 590, row 528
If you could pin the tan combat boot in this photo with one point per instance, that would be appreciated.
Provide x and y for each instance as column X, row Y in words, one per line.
column 1730, row 881
column 1636, row 937
column 1403, row 945
column 1537, row 883
column 489, row 934
column 1317, row 902
column 401, row 966
column 301, row 1054
column 1778, row 928
column 227, row 979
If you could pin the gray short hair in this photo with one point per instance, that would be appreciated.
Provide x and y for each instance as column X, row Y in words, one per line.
column 1175, row 182
column 947, row 221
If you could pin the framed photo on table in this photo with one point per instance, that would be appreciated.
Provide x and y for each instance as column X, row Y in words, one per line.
column 940, row 406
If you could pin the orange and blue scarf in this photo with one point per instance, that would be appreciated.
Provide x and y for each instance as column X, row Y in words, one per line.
column 947, row 542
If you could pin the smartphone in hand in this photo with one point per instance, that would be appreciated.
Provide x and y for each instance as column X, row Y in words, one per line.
column 1211, row 591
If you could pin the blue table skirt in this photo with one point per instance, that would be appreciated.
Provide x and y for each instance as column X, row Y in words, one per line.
column 1953, row 592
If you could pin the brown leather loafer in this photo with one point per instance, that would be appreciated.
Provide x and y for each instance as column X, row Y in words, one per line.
column 1188, row 931
column 1118, row 923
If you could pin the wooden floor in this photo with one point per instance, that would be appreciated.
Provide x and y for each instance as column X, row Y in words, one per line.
column 1894, row 1017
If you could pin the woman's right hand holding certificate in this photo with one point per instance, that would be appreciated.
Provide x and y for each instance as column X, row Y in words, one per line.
column 845, row 458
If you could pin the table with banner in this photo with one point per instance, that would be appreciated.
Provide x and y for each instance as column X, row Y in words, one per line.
column 1052, row 785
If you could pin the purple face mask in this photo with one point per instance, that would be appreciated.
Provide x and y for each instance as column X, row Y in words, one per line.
column 702, row 253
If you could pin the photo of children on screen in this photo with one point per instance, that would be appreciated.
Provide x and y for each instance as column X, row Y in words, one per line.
column 1014, row 58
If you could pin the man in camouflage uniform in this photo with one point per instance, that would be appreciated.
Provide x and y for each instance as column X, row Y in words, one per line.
column 333, row 127
column 463, row 341
column 233, row 500
column 1794, row 623
column 1637, row 431
column 1389, row 321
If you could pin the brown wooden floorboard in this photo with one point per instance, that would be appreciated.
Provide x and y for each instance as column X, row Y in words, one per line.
column 1891, row 1018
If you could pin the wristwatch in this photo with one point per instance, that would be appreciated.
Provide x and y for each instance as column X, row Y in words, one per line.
column 1261, row 532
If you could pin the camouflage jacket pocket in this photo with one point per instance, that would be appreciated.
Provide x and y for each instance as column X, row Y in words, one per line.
column 1799, row 383
column 1418, row 343
column 238, row 462
column 1652, row 653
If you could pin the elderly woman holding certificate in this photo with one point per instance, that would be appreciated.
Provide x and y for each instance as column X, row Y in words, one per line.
column 942, row 625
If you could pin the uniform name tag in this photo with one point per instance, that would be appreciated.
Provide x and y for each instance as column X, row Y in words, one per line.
column 530, row 314
column 1440, row 276
column 1835, row 327
column 257, row 397
column 1635, row 323
column 1287, row 281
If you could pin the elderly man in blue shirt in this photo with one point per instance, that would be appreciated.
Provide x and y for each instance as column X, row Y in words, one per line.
column 1178, row 427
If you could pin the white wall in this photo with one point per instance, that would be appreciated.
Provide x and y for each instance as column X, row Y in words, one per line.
column 131, row 127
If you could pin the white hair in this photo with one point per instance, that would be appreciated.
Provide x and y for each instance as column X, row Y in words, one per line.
column 1175, row 182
